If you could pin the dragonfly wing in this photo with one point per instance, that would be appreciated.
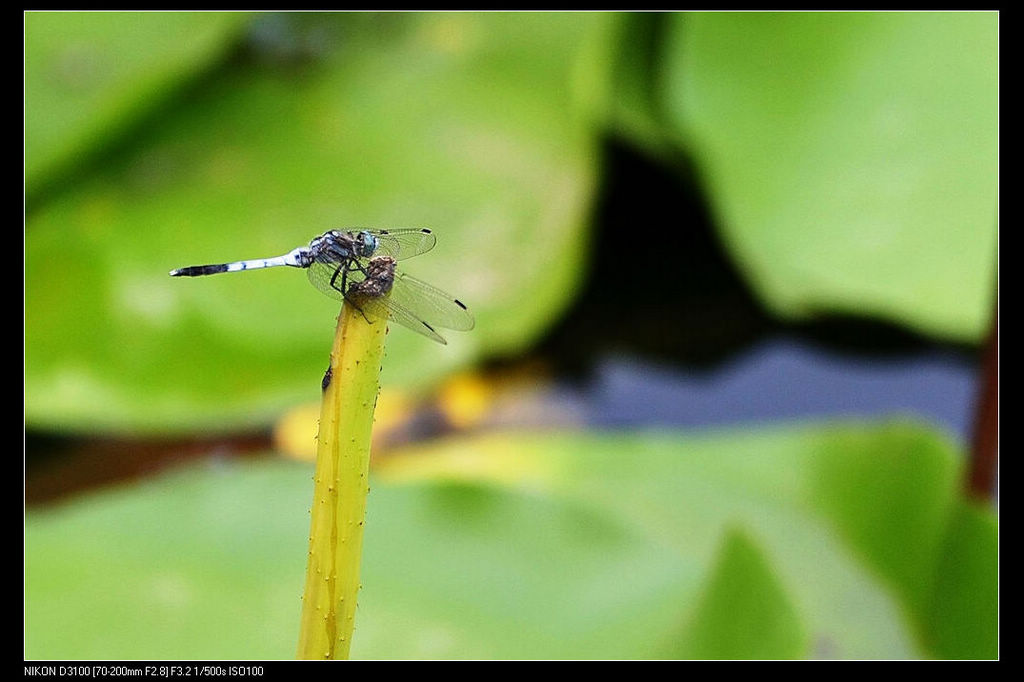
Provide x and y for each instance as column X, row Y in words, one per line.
column 404, row 242
column 384, row 308
column 411, row 302
column 428, row 303
column 331, row 278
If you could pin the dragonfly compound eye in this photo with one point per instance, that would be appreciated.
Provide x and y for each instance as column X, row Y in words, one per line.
column 368, row 244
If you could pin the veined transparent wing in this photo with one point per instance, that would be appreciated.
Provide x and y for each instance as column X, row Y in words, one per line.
column 382, row 309
column 412, row 302
column 403, row 243
column 420, row 307
column 322, row 276
column 430, row 304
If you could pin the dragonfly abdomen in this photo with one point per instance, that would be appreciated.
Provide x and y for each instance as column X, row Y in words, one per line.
column 197, row 270
column 297, row 258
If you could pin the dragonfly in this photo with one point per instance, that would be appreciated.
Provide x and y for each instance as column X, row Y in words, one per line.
column 359, row 266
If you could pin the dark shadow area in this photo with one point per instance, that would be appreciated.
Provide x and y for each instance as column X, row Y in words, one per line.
column 662, row 286
column 659, row 282
column 61, row 466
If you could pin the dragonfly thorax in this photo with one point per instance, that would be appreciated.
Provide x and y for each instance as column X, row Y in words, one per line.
column 340, row 245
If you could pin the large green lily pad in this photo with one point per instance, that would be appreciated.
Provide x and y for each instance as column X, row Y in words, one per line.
column 851, row 158
column 478, row 126
column 91, row 75
column 845, row 541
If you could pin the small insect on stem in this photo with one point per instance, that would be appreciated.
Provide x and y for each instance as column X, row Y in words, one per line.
column 350, row 264
column 380, row 278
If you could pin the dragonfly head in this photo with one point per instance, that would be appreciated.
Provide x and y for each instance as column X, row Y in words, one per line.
column 366, row 244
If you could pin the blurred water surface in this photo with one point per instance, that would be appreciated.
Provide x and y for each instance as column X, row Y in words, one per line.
column 784, row 379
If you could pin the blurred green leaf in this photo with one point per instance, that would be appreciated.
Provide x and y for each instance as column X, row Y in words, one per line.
column 851, row 157
column 744, row 612
column 479, row 126
column 891, row 501
column 633, row 109
column 88, row 75
column 543, row 546
column 962, row 618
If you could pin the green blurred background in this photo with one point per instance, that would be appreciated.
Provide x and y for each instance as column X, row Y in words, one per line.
column 649, row 214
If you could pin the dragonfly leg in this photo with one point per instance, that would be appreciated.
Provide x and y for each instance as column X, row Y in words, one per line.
column 355, row 265
column 334, row 277
column 343, row 270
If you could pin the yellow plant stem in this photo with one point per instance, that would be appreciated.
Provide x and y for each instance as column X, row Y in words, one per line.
column 350, row 390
